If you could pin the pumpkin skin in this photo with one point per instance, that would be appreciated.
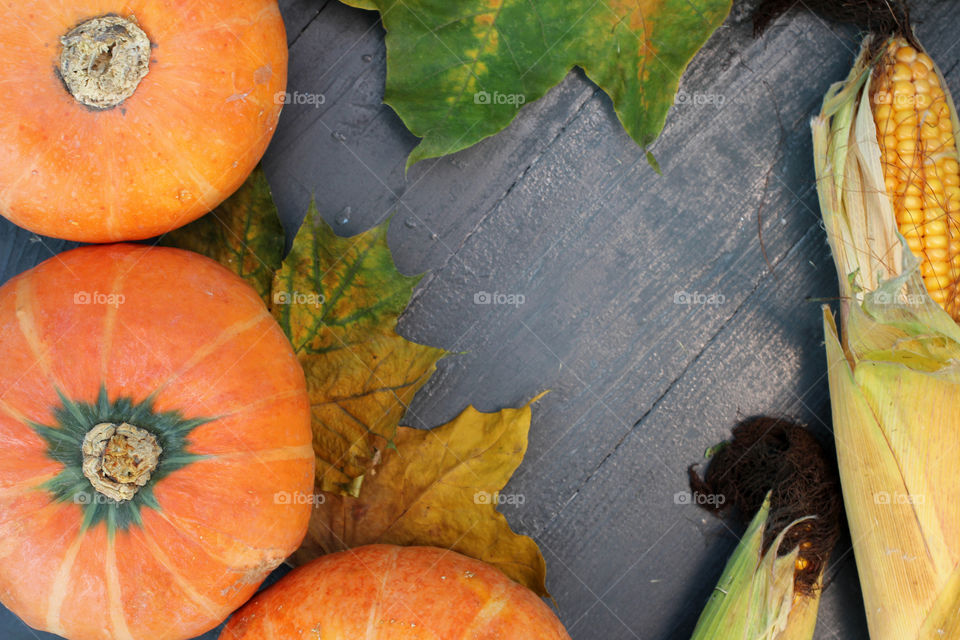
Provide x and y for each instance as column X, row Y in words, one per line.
column 188, row 352
column 193, row 129
column 385, row 592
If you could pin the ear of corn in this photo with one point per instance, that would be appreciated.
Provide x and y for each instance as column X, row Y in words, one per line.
column 918, row 153
column 886, row 198
column 755, row 597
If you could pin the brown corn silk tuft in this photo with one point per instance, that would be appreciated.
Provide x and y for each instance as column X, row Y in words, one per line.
column 782, row 458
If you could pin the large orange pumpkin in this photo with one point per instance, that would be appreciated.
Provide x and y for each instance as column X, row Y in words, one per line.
column 124, row 119
column 384, row 592
column 154, row 444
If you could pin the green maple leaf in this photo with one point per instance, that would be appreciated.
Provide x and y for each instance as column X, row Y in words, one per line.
column 338, row 300
column 458, row 72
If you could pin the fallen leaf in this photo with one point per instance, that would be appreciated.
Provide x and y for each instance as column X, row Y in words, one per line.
column 439, row 488
column 243, row 234
column 458, row 72
column 338, row 300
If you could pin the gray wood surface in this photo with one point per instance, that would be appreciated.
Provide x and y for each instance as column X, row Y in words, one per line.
column 563, row 209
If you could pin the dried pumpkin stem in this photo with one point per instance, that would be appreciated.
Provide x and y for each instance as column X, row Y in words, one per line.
column 104, row 59
column 118, row 459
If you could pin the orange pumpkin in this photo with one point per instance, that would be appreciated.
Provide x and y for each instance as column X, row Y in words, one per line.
column 395, row 593
column 154, row 444
column 124, row 119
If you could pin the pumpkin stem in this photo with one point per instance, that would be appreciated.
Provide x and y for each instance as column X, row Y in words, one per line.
column 118, row 459
column 104, row 59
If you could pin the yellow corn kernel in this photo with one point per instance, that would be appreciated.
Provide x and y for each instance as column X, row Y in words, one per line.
column 905, row 53
column 910, row 218
column 921, row 168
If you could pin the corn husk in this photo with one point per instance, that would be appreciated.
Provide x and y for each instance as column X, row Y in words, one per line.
column 894, row 385
column 754, row 598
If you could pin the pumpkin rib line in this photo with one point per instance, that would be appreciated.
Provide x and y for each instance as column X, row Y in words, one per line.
column 488, row 612
column 269, row 632
column 114, row 596
column 166, row 515
column 305, row 452
column 211, row 347
column 67, row 130
column 28, row 329
column 169, row 151
column 109, row 189
column 283, row 395
column 13, row 186
column 26, row 486
column 40, row 518
column 213, row 384
column 188, row 589
column 58, row 590
column 375, row 608
column 110, row 323
column 16, row 415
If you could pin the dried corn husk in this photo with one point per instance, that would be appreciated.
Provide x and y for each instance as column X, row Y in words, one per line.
column 894, row 383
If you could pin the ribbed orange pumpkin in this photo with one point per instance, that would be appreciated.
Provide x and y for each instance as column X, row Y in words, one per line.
column 154, row 444
column 124, row 119
column 383, row 592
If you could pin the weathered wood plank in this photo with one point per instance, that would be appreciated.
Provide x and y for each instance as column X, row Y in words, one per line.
column 658, row 550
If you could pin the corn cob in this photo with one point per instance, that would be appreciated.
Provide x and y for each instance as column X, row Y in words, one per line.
column 918, row 150
column 771, row 586
column 886, row 160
